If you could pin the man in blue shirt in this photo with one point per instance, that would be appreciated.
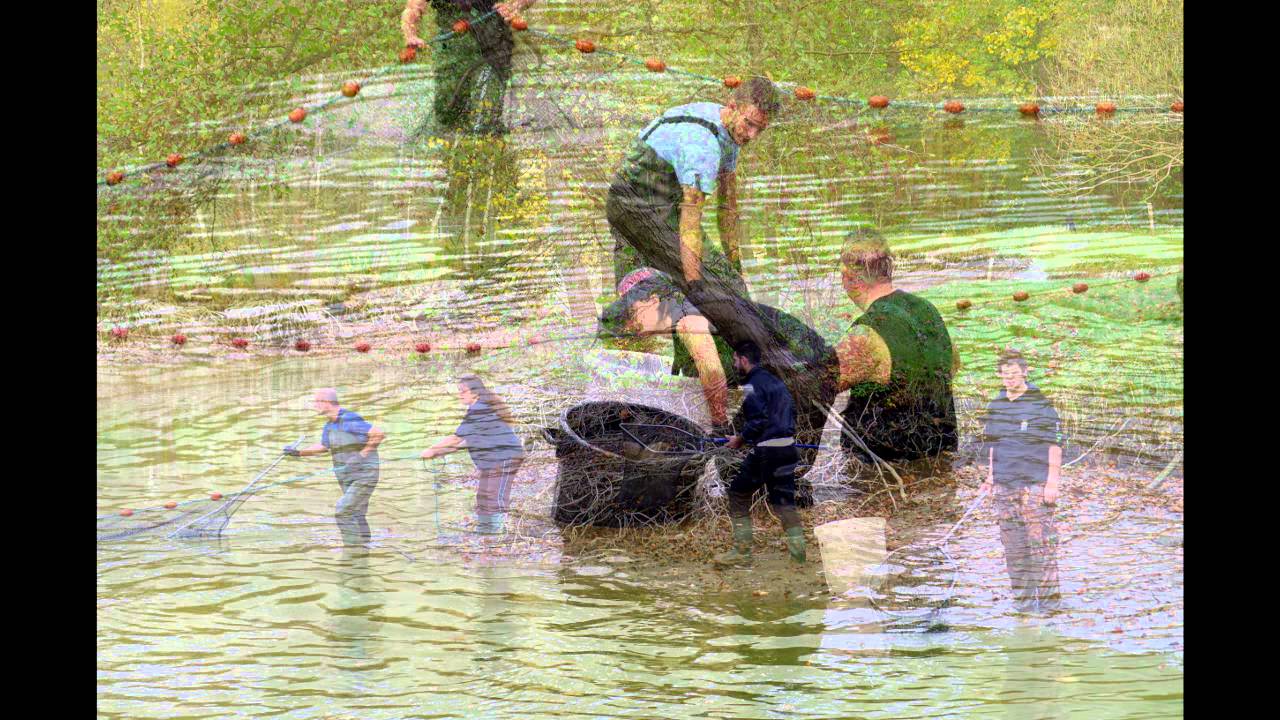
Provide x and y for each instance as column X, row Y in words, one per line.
column 353, row 443
column 1022, row 437
column 768, row 425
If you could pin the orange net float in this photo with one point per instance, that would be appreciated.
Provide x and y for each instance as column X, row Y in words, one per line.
column 536, row 339
column 422, row 348
column 350, row 88
column 1029, row 109
column 114, row 177
column 1079, row 288
column 963, row 304
column 518, row 23
column 881, row 135
column 878, row 101
column 1021, row 295
column 732, row 81
column 408, row 54
column 297, row 115
column 174, row 160
column 805, row 93
column 302, row 346
column 473, row 348
column 655, row 65
column 170, row 505
column 462, row 26
column 237, row 138
column 953, row 106
column 1105, row 108
column 1176, row 106
column 362, row 347
column 1142, row 277
column 119, row 333
column 215, row 496
column 178, row 339
column 126, row 513
column 585, row 46
column 239, row 343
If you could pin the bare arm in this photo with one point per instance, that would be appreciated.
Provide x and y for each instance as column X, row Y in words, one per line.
column 727, row 218
column 991, row 471
column 316, row 449
column 413, row 10
column 376, row 436
column 509, row 10
column 1055, row 470
column 691, row 233
column 863, row 357
column 695, row 333
column 444, row 446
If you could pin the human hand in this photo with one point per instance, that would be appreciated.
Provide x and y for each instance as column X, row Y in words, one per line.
column 1050, row 496
column 428, row 454
column 984, row 488
column 291, row 451
column 735, row 442
column 509, row 10
column 364, row 453
column 414, row 41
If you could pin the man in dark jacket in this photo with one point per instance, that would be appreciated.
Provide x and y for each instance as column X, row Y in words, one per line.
column 768, row 425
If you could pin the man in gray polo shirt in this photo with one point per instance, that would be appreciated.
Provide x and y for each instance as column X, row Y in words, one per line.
column 1023, row 446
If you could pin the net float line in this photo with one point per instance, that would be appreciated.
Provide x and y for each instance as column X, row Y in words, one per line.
column 803, row 93
column 1079, row 288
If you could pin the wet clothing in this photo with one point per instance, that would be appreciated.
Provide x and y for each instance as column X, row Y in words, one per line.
column 773, row 468
column 1030, row 539
column 686, row 146
column 693, row 142
column 497, row 453
column 768, row 412
column 1021, row 432
column 345, row 437
column 472, row 70
column 914, row 415
column 490, row 441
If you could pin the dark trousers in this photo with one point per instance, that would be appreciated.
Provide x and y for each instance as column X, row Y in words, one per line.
column 773, row 469
column 1030, row 539
column 493, row 492
column 472, row 72
column 357, row 487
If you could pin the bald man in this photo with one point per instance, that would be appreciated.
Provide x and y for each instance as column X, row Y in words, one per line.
column 353, row 443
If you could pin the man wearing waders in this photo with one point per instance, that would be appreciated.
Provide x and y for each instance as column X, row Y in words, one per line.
column 897, row 362
column 768, row 414
column 353, row 442
column 1023, row 446
column 656, row 200
column 477, row 62
column 650, row 304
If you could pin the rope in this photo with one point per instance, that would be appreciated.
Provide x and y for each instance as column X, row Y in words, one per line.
column 949, row 106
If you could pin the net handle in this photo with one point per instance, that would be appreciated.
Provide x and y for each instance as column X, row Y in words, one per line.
column 240, row 494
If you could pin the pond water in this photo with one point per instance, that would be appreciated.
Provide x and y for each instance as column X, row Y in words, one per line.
column 352, row 230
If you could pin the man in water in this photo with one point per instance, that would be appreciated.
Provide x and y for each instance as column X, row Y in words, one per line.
column 897, row 362
column 656, row 201
column 477, row 62
column 769, row 422
column 353, row 443
column 1023, row 441
column 652, row 304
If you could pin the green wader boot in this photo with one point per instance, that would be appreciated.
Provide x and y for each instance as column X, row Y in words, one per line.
column 795, row 543
column 741, row 552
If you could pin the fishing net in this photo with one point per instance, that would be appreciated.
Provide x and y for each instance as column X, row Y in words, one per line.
column 191, row 519
column 645, row 473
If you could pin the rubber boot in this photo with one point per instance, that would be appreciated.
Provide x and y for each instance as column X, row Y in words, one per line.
column 741, row 552
column 795, row 543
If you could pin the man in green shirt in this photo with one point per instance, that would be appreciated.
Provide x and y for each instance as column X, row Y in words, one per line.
column 897, row 361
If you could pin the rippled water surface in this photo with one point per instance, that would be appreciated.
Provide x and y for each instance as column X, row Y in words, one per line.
column 356, row 230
